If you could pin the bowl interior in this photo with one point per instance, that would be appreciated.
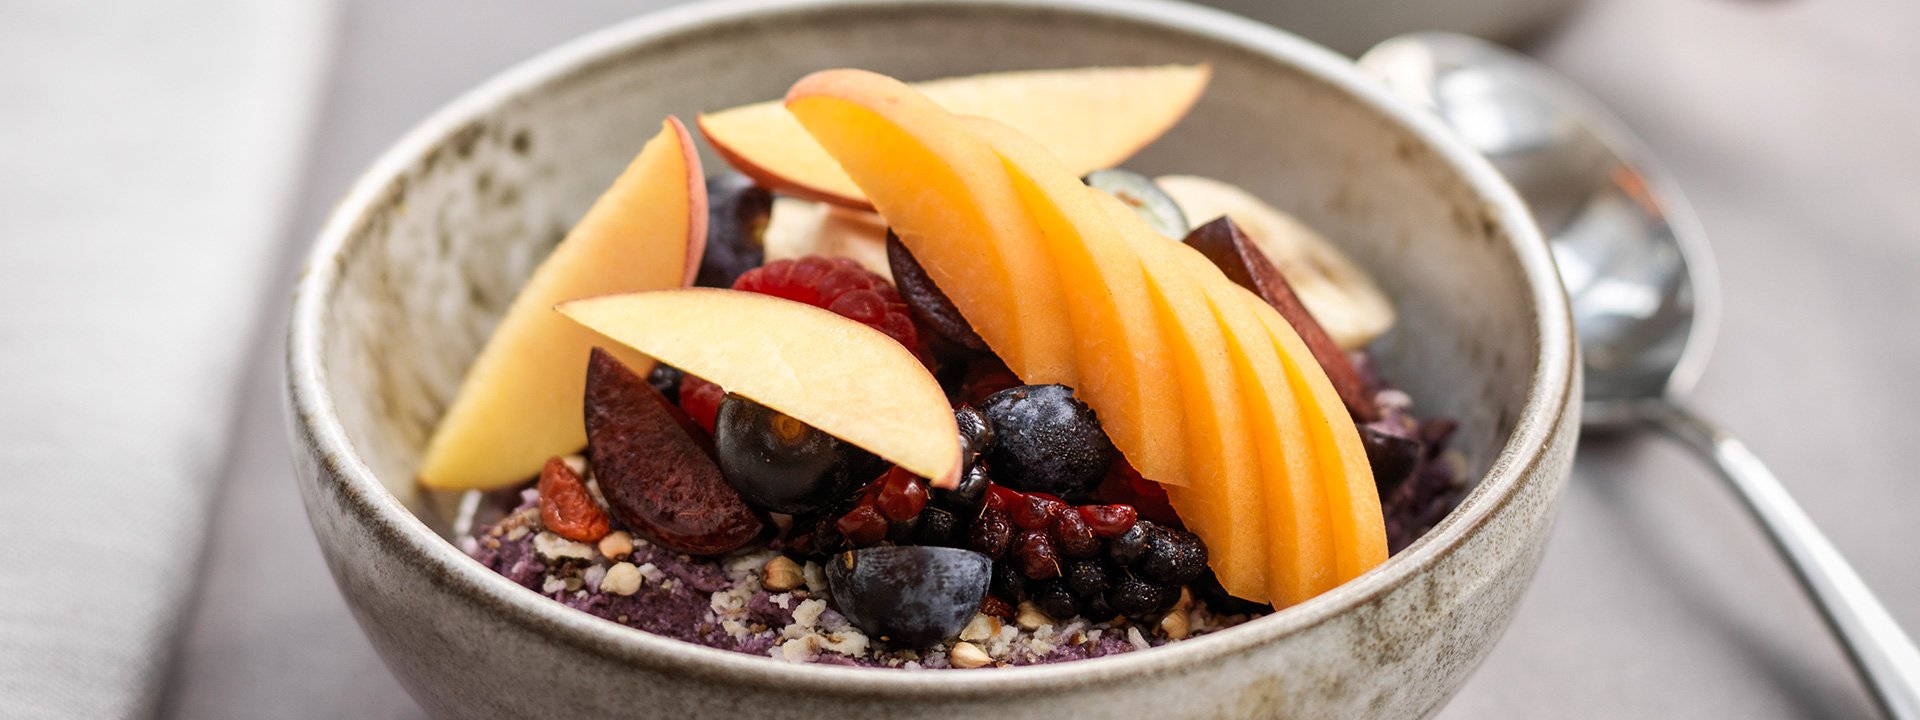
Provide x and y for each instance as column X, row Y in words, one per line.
column 427, row 267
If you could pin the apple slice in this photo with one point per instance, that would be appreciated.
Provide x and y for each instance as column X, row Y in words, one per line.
column 1122, row 370
column 520, row 401
column 1340, row 294
column 835, row 374
column 1237, row 257
column 947, row 196
column 1091, row 118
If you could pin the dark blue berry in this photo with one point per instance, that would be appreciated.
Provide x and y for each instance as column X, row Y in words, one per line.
column 1008, row 583
column 666, row 379
column 907, row 595
column 781, row 464
column 1046, row 440
column 965, row 500
column 1135, row 597
column 1173, row 556
column 1087, row 577
column 737, row 213
column 1126, row 549
column 1054, row 598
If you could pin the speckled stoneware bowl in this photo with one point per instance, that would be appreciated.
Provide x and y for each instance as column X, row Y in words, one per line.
column 429, row 246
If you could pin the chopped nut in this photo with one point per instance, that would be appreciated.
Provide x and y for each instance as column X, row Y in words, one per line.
column 622, row 579
column 981, row 627
column 554, row 547
column 968, row 655
column 1174, row 625
column 1030, row 617
column 617, row 545
column 1185, row 601
column 577, row 463
column 782, row 574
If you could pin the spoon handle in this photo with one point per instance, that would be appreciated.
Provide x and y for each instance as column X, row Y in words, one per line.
column 1882, row 653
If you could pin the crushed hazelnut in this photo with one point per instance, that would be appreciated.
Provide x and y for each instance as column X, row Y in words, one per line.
column 617, row 545
column 968, row 655
column 782, row 574
column 1031, row 617
column 622, row 579
column 1174, row 625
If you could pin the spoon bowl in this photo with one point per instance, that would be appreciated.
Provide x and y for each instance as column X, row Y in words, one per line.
column 1644, row 297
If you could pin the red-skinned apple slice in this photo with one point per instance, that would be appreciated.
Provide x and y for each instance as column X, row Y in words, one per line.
column 1091, row 118
column 520, row 402
column 837, row 375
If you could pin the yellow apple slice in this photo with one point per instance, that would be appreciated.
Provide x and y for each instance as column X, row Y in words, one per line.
column 1340, row 294
column 1359, row 531
column 520, row 402
column 1091, row 118
column 947, row 196
column 798, row 228
column 841, row 376
column 1122, row 369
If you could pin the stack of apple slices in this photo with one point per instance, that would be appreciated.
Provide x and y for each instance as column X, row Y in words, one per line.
column 1203, row 386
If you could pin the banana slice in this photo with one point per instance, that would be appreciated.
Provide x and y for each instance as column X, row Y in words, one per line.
column 798, row 228
column 1341, row 295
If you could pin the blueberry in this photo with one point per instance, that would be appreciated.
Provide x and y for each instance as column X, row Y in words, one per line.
column 1008, row 583
column 1045, row 440
column 666, row 379
column 1087, row 578
column 737, row 212
column 784, row 465
column 1145, row 197
column 908, row 596
column 937, row 527
column 1136, row 597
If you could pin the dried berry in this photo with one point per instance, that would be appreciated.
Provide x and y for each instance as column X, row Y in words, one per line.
column 1035, row 555
column 992, row 533
column 566, row 508
column 1072, row 535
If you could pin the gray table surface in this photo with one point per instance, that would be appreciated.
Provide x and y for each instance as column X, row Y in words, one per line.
column 1789, row 122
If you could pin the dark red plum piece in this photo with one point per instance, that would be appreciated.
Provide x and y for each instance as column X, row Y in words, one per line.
column 909, row 596
column 927, row 301
column 1242, row 262
column 655, row 468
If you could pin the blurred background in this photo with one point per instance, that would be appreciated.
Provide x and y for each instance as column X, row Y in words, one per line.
column 163, row 167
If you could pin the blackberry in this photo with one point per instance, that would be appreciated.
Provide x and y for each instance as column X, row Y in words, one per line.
column 1046, row 440
column 966, row 500
column 1126, row 549
column 1056, row 600
column 1008, row 583
column 1087, row 577
column 976, row 434
column 1173, row 556
column 938, row 527
column 1135, row 597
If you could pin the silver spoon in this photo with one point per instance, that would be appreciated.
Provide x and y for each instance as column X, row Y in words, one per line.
column 1645, row 301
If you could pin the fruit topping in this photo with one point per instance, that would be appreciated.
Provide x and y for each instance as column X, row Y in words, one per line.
column 666, row 379
column 566, row 508
column 929, row 304
column 906, row 595
column 1393, row 457
column 701, row 401
column 1146, row 198
column 839, row 285
column 737, row 215
column 1109, row 521
column 655, row 469
column 976, row 433
column 1091, row 117
column 1222, row 242
column 1046, row 440
column 1340, row 294
column 784, row 465
column 875, row 394
column 1172, row 556
column 520, row 401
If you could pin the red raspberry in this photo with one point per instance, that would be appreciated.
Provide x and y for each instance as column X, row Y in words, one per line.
column 701, row 401
column 840, row 285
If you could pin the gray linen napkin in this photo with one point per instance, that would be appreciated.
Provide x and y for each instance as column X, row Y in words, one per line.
column 148, row 152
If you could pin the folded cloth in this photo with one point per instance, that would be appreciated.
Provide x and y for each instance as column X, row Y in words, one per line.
column 148, row 152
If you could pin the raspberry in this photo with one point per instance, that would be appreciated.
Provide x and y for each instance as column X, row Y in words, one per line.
column 701, row 401
column 840, row 285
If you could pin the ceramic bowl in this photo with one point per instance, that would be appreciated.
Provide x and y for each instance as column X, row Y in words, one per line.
column 429, row 246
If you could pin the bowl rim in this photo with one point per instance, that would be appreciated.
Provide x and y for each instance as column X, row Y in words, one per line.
column 311, row 405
